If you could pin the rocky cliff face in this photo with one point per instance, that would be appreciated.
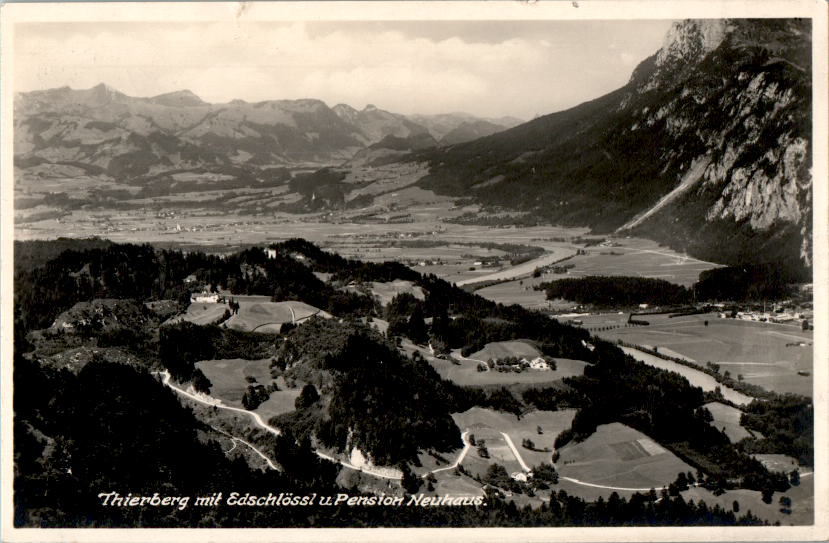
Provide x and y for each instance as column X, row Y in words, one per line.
column 741, row 98
column 707, row 148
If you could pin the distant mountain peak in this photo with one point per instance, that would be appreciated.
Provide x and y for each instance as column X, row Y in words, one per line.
column 102, row 94
column 370, row 107
column 692, row 39
column 178, row 98
column 103, row 87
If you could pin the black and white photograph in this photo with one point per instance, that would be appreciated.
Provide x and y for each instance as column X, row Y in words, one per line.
column 554, row 267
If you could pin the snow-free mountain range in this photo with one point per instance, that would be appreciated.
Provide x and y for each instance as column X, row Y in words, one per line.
column 707, row 148
column 128, row 135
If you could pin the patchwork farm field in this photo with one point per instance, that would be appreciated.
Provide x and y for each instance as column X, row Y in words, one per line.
column 465, row 372
column 456, row 485
column 270, row 316
column 802, row 496
column 520, row 292
column 765, row 354
column 642, row 258
column 201, row 314
column 229, row 383
column 777, row 462
column 499, row 453
column 385, row 292
column 727, row 418
column 551, row 423
column 631, row 257
column 619, row 456
column 228, row 377
column 281, row 401
column 595, row 321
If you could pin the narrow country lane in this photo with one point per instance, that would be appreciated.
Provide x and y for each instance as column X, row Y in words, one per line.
column 466, row 446
column 213, row 402
column 515, row 452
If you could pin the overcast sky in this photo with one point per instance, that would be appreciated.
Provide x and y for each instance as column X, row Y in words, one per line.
column 485, row 68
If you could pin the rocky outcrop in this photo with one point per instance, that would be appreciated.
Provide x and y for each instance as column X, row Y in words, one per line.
column 752, row 124
column 707, row 148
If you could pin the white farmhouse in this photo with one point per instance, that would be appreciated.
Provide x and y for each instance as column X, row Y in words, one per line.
column 539, row 364
column 519, row 476
column 204, row 298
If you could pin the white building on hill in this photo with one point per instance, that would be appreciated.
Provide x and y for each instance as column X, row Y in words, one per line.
column 204, row 298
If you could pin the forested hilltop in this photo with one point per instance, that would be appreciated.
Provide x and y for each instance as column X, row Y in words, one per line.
column 96, row 322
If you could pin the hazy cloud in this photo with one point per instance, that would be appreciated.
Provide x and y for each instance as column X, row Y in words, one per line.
column 488, row 68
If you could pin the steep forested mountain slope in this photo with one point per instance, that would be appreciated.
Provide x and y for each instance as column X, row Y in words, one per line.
column 706, row 148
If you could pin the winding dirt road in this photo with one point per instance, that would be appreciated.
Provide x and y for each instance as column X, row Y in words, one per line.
column 466, row 446
column 236, row 441
column 213, row 402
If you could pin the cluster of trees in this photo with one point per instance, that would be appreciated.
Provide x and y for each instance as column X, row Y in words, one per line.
column 321, row 189
column 528, row 443
column 616, row 291
column 183, row 344
column 405, row 316
column 35, row 253
column 254, row 396
column 497, row 476
column 546, row 473
column 379, row 400
column 751, row 282
column 553, row 398
column 114, row 271
column 787, row 424
column 283, row 278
